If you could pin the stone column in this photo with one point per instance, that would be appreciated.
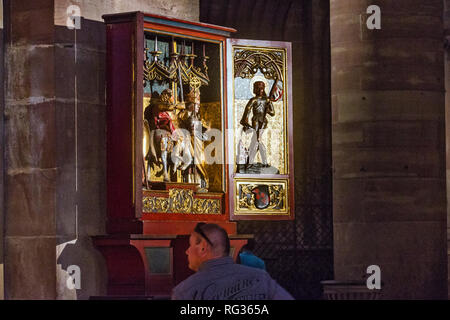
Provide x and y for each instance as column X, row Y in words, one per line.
column 2, row 104
column 30, row 162
column 388, row 132
column 447, row 120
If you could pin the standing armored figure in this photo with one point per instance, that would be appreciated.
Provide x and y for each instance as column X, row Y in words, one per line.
column 261, row 106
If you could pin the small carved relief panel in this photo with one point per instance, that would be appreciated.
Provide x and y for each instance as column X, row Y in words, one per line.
column 261, row 197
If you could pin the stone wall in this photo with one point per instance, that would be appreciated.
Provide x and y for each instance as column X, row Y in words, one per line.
column 447, row 120
column 388, row 110
column 30, row 166
column 93, row 9
column 55, row 118
column 2, row 104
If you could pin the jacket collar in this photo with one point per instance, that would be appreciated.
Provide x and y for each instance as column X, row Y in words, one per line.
column 215, row 262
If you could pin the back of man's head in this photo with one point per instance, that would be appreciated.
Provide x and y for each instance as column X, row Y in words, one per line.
column 219, row 238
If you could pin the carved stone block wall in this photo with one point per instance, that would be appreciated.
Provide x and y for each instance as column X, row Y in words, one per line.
column 388, row 111
column 2, row 104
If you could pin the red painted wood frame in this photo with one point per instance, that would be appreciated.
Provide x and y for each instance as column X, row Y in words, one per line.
column 124, row 98
column 125, row 56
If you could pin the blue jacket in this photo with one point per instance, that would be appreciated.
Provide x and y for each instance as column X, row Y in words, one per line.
column 222, row 279
column 249, row 259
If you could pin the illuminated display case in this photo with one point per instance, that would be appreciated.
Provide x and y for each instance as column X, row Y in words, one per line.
column 165, row 79
column 260, row 112
column 198, row 129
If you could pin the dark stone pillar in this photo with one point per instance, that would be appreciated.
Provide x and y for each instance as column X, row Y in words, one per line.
column 2, row 211
column 447, row 121
column 30, row 163
column 55, row 152
column 388, row 132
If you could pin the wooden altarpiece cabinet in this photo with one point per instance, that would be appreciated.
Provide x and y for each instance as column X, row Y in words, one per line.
column 198, row 130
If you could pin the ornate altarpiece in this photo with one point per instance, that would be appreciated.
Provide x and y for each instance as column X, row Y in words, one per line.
column 198, row 129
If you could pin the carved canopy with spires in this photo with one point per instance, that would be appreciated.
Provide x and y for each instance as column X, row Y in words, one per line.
column 181, row 65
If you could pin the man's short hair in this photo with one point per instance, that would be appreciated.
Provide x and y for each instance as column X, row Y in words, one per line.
column 219, row 238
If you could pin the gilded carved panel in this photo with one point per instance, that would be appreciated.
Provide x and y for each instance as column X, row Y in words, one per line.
column 261, row 119
column 181, row 201
column 261, row 197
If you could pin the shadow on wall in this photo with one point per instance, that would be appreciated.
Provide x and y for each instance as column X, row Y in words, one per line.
column 80, row 270
column 81, row 154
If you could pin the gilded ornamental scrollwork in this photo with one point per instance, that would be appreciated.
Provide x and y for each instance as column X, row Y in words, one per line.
column 181, row 201
column 206, row 206
column 155, row 204
column 247, row 62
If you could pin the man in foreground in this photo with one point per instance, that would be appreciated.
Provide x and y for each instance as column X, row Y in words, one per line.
column 217, row 277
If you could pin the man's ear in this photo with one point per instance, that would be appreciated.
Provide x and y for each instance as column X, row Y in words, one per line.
column 203, row 250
